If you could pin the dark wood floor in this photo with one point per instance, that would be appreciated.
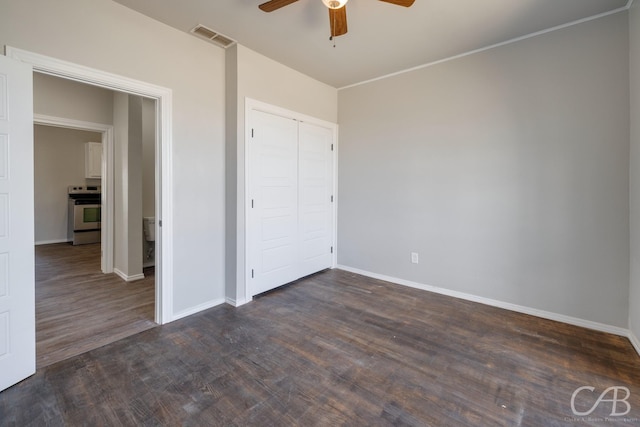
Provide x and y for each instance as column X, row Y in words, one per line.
column 79, row 309
column 337, row 349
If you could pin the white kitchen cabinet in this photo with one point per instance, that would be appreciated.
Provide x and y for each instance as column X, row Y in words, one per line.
column 93, row 160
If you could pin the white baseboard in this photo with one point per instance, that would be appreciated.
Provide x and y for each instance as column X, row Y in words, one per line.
column 234, row 302
column 198, row 308
column 51, row 242
column 634, row 341
column 128, row 278
column 500, row 304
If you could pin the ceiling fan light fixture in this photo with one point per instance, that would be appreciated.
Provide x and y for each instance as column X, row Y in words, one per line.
column 334, row 4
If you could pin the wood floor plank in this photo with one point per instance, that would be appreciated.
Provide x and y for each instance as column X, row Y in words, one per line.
column 337, row 349
column 78, row 308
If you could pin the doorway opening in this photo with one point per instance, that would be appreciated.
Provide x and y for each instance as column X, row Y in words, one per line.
column 162, row 99
column 77, row 307
column 64, row 161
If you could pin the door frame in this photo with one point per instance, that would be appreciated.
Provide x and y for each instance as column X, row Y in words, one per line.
column 107, row 229
column 164, row 152
column 250, row 105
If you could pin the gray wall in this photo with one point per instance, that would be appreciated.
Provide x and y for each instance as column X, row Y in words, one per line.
column 506, row 170
column 120, row 143
column 634, row 296
column 128, row 126
column 231, row 173
column 148, row 172
column 58, row 163
column 148, row 157
column 53, row 96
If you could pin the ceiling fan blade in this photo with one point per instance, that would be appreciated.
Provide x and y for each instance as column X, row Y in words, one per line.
column 405, row 3
column 272, row 5
column 338, row 21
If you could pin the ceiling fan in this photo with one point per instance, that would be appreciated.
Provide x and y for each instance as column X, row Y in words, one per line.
column 337, row 11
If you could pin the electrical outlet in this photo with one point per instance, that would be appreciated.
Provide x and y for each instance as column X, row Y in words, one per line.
column 414, row 257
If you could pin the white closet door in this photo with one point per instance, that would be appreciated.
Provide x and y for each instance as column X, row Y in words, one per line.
column 273, row 216
column 315, row 185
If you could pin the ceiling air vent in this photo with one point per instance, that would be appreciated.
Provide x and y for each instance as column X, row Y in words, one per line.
column 210, row 35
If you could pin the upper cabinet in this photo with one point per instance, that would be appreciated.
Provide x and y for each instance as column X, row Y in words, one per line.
column 93, row 159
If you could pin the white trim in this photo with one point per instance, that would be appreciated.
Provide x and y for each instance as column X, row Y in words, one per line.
column 80, row 73
column 198, row 308
column 231, row 301
column 248, row 106
column 251, row 104
column 164, row 208
column 493, row 46
column 634, row 341
column 164, row 152
column 336, row 133
column 254, row 104
column 234, row 302
column 107, row 228
column 615, row 330
column 126, row 278
column 51, row 242
column 63, row 122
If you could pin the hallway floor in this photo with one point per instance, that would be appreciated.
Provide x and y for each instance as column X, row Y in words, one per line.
column 80, row 309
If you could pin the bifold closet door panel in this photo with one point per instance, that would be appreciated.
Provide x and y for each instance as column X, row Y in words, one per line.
column 273, row 219
column 315, row 186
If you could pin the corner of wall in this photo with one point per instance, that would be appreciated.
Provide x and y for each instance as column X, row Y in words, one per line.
column 231, row 172
column 634, row 341
column 634, row 174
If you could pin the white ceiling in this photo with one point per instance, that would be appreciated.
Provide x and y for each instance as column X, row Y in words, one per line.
column 382, row 38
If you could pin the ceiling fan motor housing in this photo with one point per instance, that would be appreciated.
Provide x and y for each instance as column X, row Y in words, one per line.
column 334, row 4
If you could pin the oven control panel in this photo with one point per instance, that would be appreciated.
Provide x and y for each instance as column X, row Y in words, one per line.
column 84, row 189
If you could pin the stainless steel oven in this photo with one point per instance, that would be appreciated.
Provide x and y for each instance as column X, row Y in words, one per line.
column 85, row 214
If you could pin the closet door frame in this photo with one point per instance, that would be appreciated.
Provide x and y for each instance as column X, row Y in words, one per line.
column 254, row 105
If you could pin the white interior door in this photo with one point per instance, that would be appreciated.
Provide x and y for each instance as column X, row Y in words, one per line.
column 273, row 216
column 315, row 207
column 17, row 288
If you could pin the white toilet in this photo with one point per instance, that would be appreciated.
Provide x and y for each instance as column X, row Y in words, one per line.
column 149, row 230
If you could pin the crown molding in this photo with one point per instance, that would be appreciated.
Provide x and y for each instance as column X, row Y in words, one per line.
column 493, row 46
